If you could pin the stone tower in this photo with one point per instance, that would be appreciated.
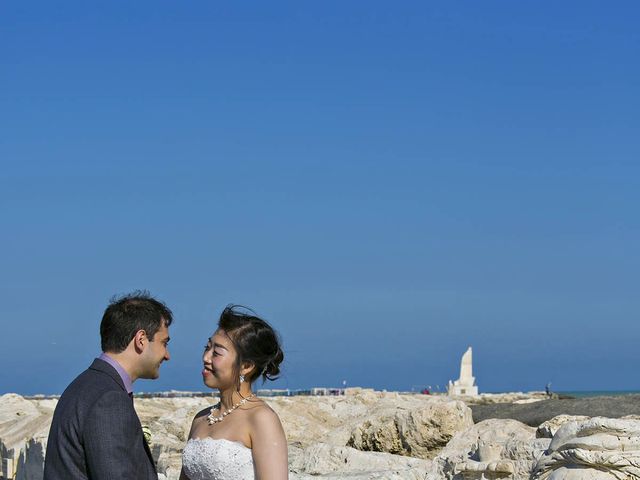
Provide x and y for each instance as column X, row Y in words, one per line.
column 466, row 384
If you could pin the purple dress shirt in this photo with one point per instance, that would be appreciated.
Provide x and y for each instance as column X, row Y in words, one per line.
column 126, row 379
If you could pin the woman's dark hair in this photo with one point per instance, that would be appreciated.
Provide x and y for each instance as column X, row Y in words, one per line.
column 126, row 314
column 255, row 342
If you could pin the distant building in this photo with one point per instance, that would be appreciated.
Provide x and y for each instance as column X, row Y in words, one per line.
column 274, row 392
column 466, row 384
column 323, row 391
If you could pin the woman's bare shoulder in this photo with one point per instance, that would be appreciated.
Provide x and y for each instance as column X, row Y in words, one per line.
column 260, row 413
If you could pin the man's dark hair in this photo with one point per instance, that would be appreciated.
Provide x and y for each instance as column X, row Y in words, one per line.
column 126, row 314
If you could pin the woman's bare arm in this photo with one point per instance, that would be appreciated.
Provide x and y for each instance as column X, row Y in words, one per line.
column 269, row 445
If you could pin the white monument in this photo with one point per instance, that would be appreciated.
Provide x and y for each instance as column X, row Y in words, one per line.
column 466, row 384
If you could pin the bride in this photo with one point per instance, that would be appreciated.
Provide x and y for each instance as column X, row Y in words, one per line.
column 241, row 437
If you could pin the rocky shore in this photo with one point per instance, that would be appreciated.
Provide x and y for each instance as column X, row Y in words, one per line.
column 385, row 435
column 534, row 414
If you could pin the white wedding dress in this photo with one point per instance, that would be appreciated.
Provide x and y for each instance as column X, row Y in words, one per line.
column 217, row 459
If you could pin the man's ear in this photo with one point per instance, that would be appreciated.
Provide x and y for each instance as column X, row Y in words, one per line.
column 140, row 341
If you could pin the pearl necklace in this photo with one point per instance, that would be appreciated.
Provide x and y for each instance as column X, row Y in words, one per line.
column 211, row 418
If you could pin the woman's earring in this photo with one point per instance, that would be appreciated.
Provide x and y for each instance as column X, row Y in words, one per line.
column 241, row 378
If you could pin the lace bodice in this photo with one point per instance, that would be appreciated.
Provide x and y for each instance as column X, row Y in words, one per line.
column 217, row 459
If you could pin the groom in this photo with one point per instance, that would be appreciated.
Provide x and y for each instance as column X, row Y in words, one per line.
column 96, row 433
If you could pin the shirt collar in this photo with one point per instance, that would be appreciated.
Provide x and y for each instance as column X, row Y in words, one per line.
column 126, row 379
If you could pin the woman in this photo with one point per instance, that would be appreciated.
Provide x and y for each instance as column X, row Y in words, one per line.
column 240, row 437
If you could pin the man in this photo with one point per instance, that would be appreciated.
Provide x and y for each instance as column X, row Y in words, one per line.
column 96, row 433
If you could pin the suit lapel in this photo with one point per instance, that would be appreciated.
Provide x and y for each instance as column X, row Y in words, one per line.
column 104, row 367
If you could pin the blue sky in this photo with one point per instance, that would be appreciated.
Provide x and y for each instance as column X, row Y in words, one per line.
column 386, row 183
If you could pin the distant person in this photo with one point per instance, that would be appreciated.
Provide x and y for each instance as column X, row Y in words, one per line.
column 96, row 433
column 240, row 438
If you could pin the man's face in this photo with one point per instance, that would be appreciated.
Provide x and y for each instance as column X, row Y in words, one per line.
column 154, row 354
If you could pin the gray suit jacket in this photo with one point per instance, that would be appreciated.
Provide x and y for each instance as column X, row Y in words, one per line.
column 96, row 433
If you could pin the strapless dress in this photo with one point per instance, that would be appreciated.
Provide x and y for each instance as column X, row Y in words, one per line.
column 217, row 459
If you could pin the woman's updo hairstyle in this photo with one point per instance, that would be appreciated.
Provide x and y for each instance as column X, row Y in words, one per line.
column 255, row 341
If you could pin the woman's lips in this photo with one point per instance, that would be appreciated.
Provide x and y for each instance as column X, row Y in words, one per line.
column 206, row 372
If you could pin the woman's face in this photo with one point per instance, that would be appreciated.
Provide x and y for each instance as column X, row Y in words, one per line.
column 219, row 360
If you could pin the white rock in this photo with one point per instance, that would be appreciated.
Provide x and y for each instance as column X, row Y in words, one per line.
column 31, row 461
column 549, row 428
column 324, row 459
column 420, row 430
column 24, row 427
column 491, row 449
column 592, row 449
